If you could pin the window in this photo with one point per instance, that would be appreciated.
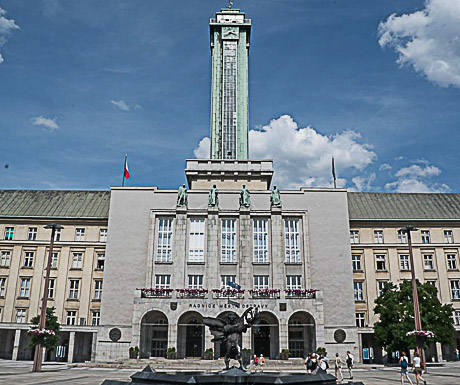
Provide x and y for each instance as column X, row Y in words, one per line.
column 74, row 288
column 57, row 235
column 402, row 236
column 358, row 291
column 5, row 258
column 378, row 236
column 195, row 281
column 457, row 317
column 51, row 287
column 293, row 281
column 425, row 236
column 225, row 279
column 404, row 263
column 431, row 282
column 292, row 241
column 96, row 318
column 100, row 261
column 28, row 259
column 380, row 286
column 260, row 240
column 196, row 240
column 2, row 287
column 428, row 262
column 77, row 260
column 164, row 244
column 71, row 318
column 455, row 289
column 79, row 234
column 98, row 289
column 25, row 288
column 360, row 320
column 21, row 316
column 228, row 238
column 54, row 260
column 354, row 236
column 102, row 235
column 380, row 262
column 448, row 236
column 9, row 233
column 260, row 282
column 162, row 281
column 451, row 261
column 356, row 262
column 32, row 234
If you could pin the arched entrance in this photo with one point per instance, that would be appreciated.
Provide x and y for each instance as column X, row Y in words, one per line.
column 154, row 335
column 219, row 348
column 265, row 335
column 190, row 335
column 301, row 334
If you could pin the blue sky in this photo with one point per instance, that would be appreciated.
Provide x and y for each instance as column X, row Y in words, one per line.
column 84, row 82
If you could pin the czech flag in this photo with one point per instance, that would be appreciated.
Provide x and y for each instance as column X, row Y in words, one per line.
column 126, row 170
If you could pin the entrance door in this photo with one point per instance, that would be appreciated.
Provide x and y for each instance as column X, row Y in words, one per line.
column 194, row 338
column 262, row 339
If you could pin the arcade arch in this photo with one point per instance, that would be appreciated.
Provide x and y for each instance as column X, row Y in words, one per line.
column 190, row 335
column 301, row 334
column 265, row 335
column 154, row 335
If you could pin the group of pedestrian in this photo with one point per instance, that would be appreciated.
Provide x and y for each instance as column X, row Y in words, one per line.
column 338, row 363
column 417, row 369
column 257, row 363
column 313, row 361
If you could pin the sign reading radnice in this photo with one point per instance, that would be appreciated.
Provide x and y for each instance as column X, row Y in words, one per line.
column 212, row 305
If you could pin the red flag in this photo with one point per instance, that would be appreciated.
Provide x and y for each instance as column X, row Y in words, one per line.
column 126, row 170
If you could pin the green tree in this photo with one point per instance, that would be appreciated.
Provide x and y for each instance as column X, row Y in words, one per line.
column 395, row 308
column 50, row 341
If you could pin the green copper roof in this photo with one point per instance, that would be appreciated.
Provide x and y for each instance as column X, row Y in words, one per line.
column 54, row 203
column 396, row 206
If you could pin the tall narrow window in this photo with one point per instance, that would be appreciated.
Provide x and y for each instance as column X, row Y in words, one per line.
column 455, row 288
column 354, row 236
column 5, row 256
column 380, row 286
column 2, row 287
column 28, row 259
column 402, row 236
column 428, row 262
column 77, row 260
column 457, row 317
column 292, row 241
column 451, row 261
column 9, row 233
column 79, row 234
column 21, row 316
column 380, row 262
column 448, row 236
column 356, row 262
column 25, row 288
column 293, row 282
column 228, row 238
column 74, row 287
column 164, row 244
column 102, row 235
column 229, row 103
column 425, row 236
column 96, row 318
column 51, row 287
column 358, row 291
column 260, row 240
column 100, row 261
column 378, row 236
column 260, row 282
column 71, row 318
column 54, row 260
column 404, row 263
column 32, row 234
column 196, row 240
column 57, row 235
column 98, row 289
column 162, row 281
column 225, row 279
column 195, row 281
column 360, row 320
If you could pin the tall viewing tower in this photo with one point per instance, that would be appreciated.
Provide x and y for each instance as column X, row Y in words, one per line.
column 230, row 36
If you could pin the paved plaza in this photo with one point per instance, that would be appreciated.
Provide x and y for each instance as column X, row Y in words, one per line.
column 19, row 373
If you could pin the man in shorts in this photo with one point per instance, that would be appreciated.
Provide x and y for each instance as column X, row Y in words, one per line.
column 349, row 360
column 404, row 365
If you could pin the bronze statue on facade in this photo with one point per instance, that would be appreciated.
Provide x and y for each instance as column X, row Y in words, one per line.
column 182, row 196
column 229, row 330
column 213, row 199
column 275, row 198
column 245, row 197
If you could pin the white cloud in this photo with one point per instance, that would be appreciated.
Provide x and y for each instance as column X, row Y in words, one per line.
column 385, row 167
column 6, row 26
column 121, row 105
column 303, row 155
column 428, row 40
column 48, row 123
column 364, row 183
column 417, row 171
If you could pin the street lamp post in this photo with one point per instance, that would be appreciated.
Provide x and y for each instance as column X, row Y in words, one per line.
column 417, row 318
column 38, row 356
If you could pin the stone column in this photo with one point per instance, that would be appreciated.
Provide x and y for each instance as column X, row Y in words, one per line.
column 172, row 336
column 71, row 347
column 179, row 256
column 207, row 339
column 246, row 341
column 277, row 252
column 284, row 335
column 17, row 339
column 244, row 246
column 439, row 351
column 93, row 347
column 212, row 254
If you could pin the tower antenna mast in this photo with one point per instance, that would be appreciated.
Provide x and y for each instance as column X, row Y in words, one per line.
column 230, row 4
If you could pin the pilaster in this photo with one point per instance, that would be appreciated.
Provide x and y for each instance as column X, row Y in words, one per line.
column 71, row 347
column 179, row 239
column 17, row 339
column 212, row 249
column 277, row 257
column 244, row 247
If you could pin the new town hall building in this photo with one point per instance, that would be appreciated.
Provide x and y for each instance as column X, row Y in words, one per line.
column 142, row 266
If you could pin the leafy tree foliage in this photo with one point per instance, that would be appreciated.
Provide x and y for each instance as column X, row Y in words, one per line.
column 395, row 308
column 50, row 342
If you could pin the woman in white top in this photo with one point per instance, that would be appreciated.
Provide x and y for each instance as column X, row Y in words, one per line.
column 418, row 369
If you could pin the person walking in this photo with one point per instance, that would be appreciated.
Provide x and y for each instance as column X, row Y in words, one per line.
column 262, row 363
column 349, row 360
column 404, row 365
column 314, row 363
column 255, row 360
column 308, row 363
column 338, row 367
column 418, row 369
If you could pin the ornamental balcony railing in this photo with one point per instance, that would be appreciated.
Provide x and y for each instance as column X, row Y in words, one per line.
column 301, row 293
column 227, row 293
column 265, row 293
column 192, row 293
column 156, row 293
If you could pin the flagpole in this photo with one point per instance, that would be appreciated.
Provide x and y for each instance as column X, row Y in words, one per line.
column 124, row 167
column 333, row 173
